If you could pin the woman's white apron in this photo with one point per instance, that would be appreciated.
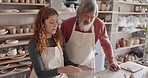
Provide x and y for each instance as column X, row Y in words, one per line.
column 52, row 58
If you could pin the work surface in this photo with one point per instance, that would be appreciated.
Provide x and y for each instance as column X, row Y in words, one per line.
column 121, row 73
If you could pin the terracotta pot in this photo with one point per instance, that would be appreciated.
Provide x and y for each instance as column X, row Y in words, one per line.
column 117, row 45
column 142, row 40
column 122, row 42
column 22, row 1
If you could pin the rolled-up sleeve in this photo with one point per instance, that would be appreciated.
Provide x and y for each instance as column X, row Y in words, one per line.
column 105, row 43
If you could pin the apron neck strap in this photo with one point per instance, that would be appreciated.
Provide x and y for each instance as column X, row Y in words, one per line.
column 74, row 26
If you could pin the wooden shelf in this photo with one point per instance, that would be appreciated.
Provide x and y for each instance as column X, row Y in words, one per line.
column 140, row 30
column 122, row 13
column 19, row 13
column 106, row 12
column 11, row 66
column 108, row 23
column 129, row 47
column 138, row 59
column 13, row 73
column 14, row 60
column 20, row 43
column 64, row 12
column 120, row 32
column 15, row 35
column 131, row 13
column 132, row 3
column 6, row 57
column 32, row 4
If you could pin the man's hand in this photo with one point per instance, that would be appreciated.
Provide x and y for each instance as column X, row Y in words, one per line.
column 114, row 67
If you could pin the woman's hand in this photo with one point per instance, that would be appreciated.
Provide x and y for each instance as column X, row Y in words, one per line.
column 84, row 67
column 69, row 70
column 114, row 67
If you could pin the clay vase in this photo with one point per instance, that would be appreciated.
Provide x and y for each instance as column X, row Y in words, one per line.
column 117, row 45
column 122, row 42
column 142, row 40
column 136, row 41
column 103, row 7
column 129, row 42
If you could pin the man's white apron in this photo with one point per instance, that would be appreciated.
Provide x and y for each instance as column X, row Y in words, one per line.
column 52, row 58
column 80, row 48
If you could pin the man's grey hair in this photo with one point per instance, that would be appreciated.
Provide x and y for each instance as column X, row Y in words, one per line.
column 87, row 6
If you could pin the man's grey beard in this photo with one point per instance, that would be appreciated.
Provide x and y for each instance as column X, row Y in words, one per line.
column 85, row 27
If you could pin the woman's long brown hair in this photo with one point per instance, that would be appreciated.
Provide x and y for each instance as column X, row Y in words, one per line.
column 39, row 30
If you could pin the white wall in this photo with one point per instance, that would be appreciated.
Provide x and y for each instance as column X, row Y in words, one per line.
column 16, row 19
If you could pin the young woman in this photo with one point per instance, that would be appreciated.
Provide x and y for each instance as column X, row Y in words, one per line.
column 47, row 48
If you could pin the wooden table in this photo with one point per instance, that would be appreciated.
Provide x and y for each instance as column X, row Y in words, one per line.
column 120, row 74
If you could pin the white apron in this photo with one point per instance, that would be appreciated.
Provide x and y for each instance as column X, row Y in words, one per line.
column 80, row 48
column 52, row 58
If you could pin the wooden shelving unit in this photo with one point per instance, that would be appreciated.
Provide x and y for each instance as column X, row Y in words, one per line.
column 122, row 8
column 21, row 19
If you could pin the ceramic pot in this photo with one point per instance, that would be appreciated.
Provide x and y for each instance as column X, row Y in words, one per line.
column 129, row 42
column 142, row 40
column 26, row 30
column 32, row 1
column 108, row 7
column 136, row 41
column 12, row 31
column 99, row 5
column 16, row 1
column 22, row 1
column 27, row 1
column 103, row 7
column 6, row 1
column 2, row 53
column 122, row 42
column 20, row 30
column 12, row 51
column 117, row 45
